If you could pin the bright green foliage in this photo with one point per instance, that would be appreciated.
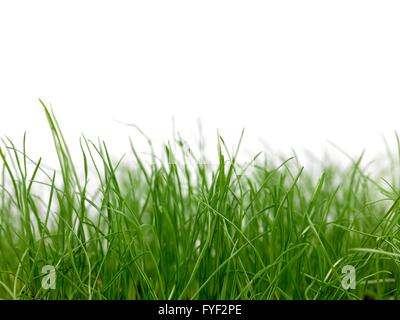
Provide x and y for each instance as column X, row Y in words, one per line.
column 187, row 230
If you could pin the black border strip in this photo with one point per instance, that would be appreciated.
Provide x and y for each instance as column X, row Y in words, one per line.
column 209, row 309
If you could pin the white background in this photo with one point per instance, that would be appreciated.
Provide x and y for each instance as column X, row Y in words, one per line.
column 292, row 73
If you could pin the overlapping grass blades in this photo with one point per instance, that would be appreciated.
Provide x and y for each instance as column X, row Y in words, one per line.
column 188, row 230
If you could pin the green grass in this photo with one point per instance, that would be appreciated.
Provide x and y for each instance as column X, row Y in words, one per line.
column 182, row 229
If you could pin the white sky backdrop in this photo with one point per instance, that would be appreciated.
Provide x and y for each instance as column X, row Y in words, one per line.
column 293, row 73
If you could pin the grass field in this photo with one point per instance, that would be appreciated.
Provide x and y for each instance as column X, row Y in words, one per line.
column 181, row 229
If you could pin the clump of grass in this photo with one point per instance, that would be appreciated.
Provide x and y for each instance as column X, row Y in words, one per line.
column 186, row 230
